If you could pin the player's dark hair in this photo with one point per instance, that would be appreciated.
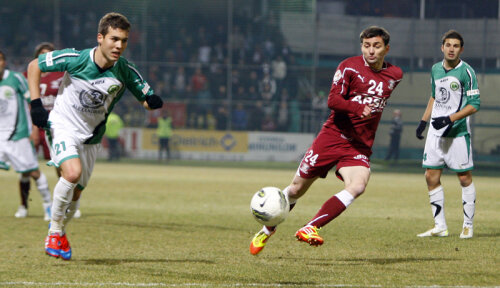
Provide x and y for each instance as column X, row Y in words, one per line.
column 3, row 55
column 374, row 31
column 43, row 46
column 113, row 20
column 453, row 34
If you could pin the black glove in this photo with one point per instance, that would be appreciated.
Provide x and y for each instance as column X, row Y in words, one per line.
column 39, row 115
column 154, row 101
column 421, row 128
column 440, row 122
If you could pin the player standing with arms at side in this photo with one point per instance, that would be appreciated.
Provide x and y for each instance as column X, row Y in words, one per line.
column 15, row 130
column 95, row 79
column 454, row 97
column 359, row 93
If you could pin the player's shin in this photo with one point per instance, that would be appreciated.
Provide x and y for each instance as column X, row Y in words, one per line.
column 70, row 212
column 63, row 194
column 332, row 208
column 469, row 203
column 24, row 188
column 43, row 187
column 436, row 198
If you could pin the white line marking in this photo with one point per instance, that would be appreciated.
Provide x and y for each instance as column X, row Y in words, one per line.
column 124, row 284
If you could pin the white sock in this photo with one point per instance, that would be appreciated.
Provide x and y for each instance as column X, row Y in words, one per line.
column 63, row 193
column 43, row 187
column 345, row 197
column 436, row 198
column 70, row 212
column 469, row 203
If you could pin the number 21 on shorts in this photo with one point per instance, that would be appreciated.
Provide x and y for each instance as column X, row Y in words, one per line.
column 311, row 158
column 60, row 147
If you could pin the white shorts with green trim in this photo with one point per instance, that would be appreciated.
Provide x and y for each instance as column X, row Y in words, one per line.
column 455, row 153
column 20, row 154
column 64, row 146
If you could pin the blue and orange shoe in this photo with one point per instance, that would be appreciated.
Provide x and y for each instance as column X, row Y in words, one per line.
column 309, row 234
column 58, row 246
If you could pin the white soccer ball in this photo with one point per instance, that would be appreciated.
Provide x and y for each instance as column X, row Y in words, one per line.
column 269, row 206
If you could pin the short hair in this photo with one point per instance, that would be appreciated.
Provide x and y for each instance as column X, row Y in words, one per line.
column 453, row 34
column 113, row 20
column 374, row 31
column 43, row 46
column 3, row 55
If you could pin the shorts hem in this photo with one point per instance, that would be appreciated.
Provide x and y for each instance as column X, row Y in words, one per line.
column 462, row 170
column 433, row 167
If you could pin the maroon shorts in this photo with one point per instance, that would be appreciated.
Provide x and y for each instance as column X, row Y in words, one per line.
column 43, row 144
column 329, row 149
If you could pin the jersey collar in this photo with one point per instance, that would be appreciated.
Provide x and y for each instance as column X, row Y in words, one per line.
column 384, row 65
column 6, row 73
column 458, row 65
column 92, row 54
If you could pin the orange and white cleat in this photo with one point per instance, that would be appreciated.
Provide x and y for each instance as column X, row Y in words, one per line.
column 309, row 234
column 259, row 242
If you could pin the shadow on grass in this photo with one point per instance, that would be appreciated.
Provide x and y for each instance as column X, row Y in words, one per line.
column 361, row 261
column 124, row 261
column 170, row 226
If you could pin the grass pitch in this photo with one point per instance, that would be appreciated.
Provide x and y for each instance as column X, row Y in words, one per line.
column 150, row 225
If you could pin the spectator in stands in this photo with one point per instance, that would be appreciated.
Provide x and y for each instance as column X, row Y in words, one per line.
column 221, row 116
column 114, row 125
column 255, row 116
column 396, row 130
column 278, row 68
column 239, row 117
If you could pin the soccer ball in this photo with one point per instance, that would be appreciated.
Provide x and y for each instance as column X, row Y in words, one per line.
column 269, row 206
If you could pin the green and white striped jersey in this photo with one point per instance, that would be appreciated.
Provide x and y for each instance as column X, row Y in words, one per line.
column 15, row 120
column 452, row 90
column 87, row 93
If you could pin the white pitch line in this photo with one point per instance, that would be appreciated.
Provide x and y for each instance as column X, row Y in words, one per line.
column 124, row 284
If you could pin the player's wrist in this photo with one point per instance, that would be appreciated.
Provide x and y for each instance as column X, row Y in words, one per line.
column 36, row 103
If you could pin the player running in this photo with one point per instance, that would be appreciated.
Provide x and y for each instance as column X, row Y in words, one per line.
column 94, row 80
column 360, row 90
column 15, row 145
column 454, row 97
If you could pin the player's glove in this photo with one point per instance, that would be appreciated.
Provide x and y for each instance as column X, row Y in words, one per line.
column 154, row 101
column 39, row 115
column 440, row 122
column 421, row 128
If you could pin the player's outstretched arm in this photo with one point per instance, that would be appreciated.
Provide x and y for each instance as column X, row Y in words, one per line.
column 153, row 102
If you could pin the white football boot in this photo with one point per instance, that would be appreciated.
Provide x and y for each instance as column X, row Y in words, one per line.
column 434, row 232
column 22, row 212
column 78, row 214
column 467, row 232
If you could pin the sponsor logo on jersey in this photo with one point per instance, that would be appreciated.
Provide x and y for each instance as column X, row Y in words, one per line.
column 473, row 92
column 379, row 102
column 454, row 86
column 145, row 90
column 92, row 99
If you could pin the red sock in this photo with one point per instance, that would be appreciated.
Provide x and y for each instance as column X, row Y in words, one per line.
column 332, row 208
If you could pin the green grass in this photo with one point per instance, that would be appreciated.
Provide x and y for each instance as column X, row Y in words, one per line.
column 150, row 225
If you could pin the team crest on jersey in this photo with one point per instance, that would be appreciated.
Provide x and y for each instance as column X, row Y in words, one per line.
column 454, row 86
column 92, row 99
column 113, row 89
column 8, row 94
column 443, row 95
column 392, row 83
column 337, row 77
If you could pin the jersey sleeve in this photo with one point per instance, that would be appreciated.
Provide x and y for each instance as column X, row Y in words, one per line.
column 472, row 89
column 58, row 60
column 337, row 99
column 433, row 86
column 23, row 86
column 136, row 83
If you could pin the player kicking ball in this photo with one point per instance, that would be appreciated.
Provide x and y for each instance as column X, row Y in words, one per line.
column 359, row 92
column 95, row 79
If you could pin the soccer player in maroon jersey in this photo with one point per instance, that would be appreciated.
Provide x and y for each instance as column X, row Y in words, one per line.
column 359, row 92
